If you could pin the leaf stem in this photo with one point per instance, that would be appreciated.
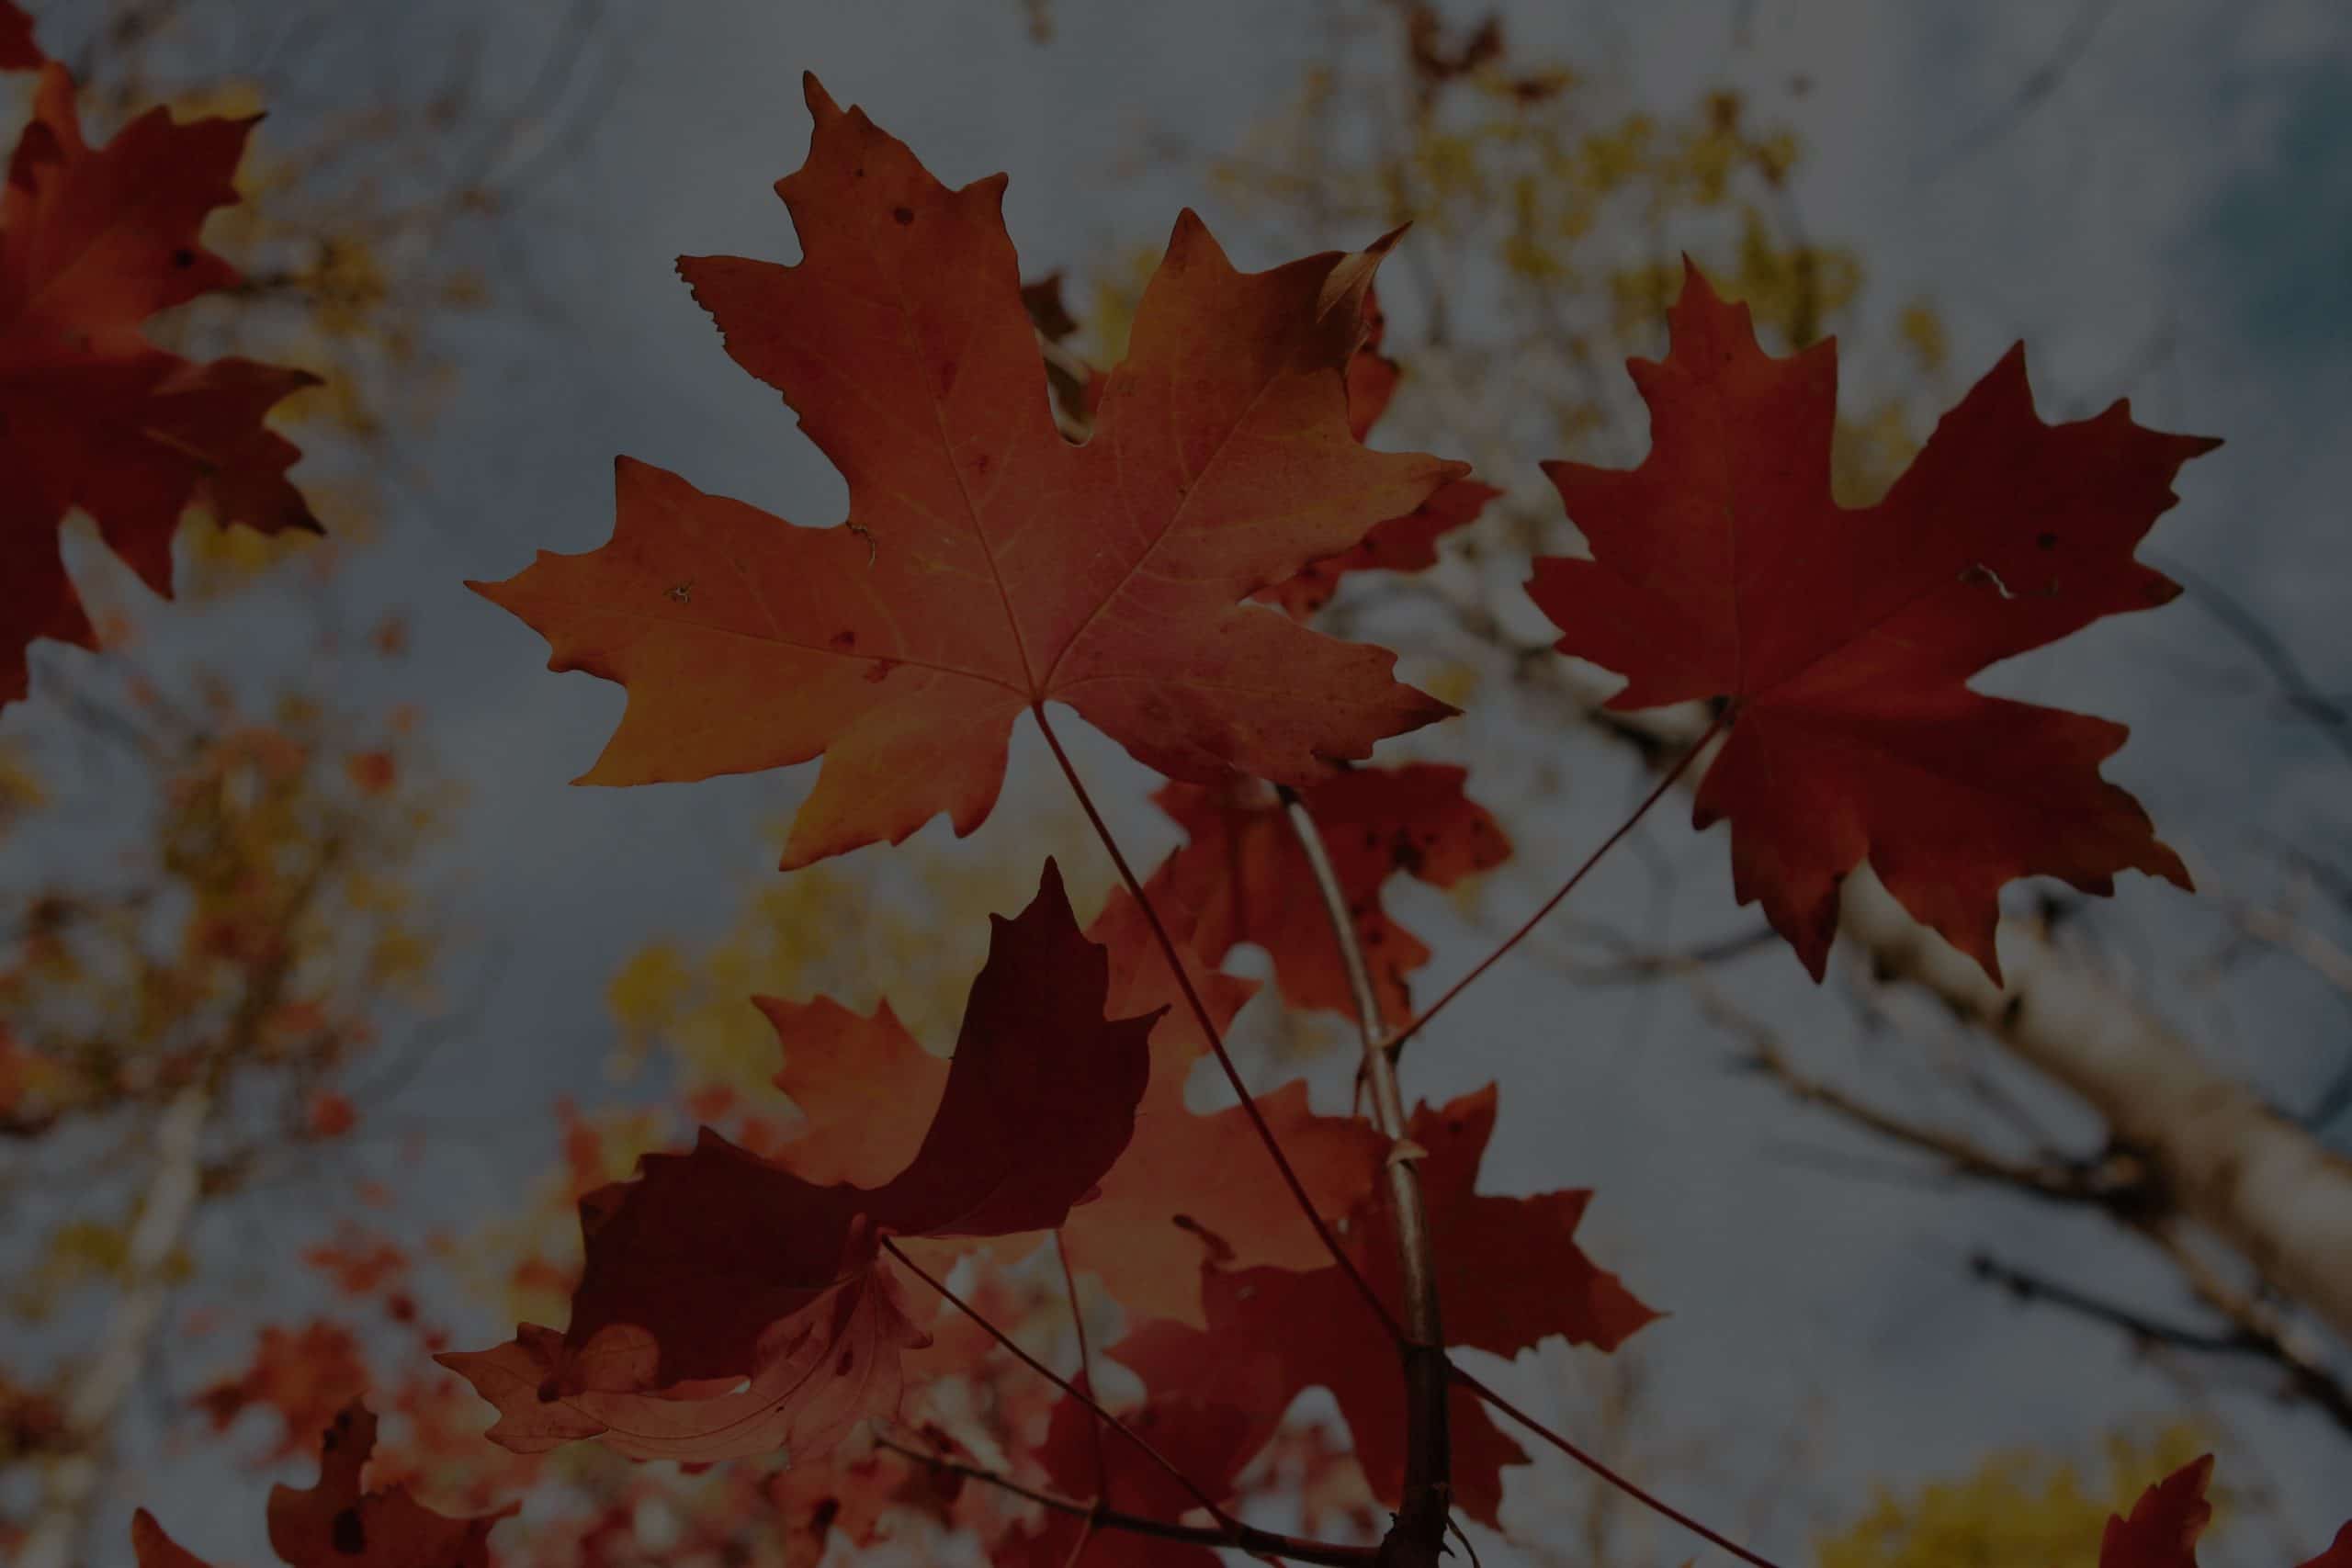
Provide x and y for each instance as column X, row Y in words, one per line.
column 890, row 1245
column 1428, row 1464
column 1210, row 1031
column 1247, row 1538
column 1085, row 1359
column 1683, row 765
column 1655, row 1505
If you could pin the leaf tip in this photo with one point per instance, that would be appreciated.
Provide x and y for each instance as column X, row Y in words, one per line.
column 1050, row 891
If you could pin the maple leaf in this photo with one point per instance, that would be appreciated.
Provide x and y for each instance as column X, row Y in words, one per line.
column 2170, row 1516
column 730, row 1306
column 1842, row 641
column 17, row 50
column 1190, row 1185
column 865, row 1089
column 337, row 1525
column 1198, row 1176
column 1208, row 1443
column 1508, row 1276
column 1398, row 544
column 1255, row 1356
column 1244, row 870
column 92, row 243
column 987, row 565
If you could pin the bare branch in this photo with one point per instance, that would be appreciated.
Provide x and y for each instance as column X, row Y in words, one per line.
column 1428, row 1464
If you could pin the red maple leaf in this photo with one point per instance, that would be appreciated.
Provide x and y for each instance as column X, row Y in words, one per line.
column 1244, row 870
column 1509, row 1274
column 989, row 566
column 17, row 50
column 1398, row 544
column 1207, row 1443
column 93, row 242
column 2170, row 1516
column 1842, row 641
column 716, row 1267
column 337, row 1525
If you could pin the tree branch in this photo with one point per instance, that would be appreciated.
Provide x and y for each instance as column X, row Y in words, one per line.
column 2104, row 1182
column 1429, row 1463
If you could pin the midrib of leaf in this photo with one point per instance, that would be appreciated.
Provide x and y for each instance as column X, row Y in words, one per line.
column 964, row 488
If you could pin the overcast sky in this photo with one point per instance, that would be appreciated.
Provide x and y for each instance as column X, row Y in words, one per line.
column 2172, row 220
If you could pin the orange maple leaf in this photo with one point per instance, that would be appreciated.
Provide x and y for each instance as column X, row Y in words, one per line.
column 93, row 242
column 337, row 1525
column 1242, row 868
column 989, row 566
column 1509, row 1274
column 1842, row 641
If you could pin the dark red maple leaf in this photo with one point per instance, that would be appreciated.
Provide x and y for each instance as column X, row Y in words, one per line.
column 1842, row 641
column 989, row 566
column 2169, row 1517
column 1510, row 1275
column 1189, row 1185
column 17, row 50
column 1244, row 872
column 1209, row 1444
column 1255, row 1356
column 337, row 1525
column 93, row 242
column 716, row 1267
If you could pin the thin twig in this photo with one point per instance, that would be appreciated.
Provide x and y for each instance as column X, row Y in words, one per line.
column 2269, row 1331
column 1655, row 795
column 1655, row 1505
column 890, row 1245
column 1209, row 1031
column 2030, row 1287
column 1085, row 1359
column 1428, row 1464
column 1245, row 1538
column 2056, row 1181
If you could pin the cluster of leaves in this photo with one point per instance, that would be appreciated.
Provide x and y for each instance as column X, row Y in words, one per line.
column 93, row 417
column 737, row 1301
column 773, row 1294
